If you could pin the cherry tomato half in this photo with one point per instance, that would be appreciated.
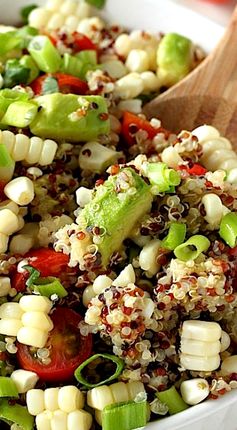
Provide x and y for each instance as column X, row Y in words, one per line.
column 66, row 84
column 68, row 348
column 2, row 195
column 47, row 261
column 82, row 42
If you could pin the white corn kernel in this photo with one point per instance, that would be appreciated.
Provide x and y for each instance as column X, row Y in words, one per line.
column 201, row 330
column 70, row 398
column 98, row 417
column 21, row 147
column 36, row 146
column 99, row 159
column 68, row 7
column 229, row 365
column 9, row 204
column 32, row 337
column 3, row 242
column 35, row 303
column 5, row 285
column 21, row 244
column 150, row 81
column 59, row 420
column 137, row 61
column 80, row 416
column 134, row 388
column 232, row 176
column 87, row 295
column 213, row 208
column 115, row 124
column 51, row 399
column 8, row 222
column 83, row 196
column 129, row 87
column 100, row 283
column 148, row 257
column 10, row 327
column 120, row 392
column 88, row 26
column 99, row 397
column 21, row 222
column 8, row 138
column 131, row 105
column 200, row 348
column 225, row 341
column 35, row 401
column 115, row 68
column 126, row 276
column 11, row 310
column 43, row 420
column 83, row 10
column 48, row 152
column 24, row 380
column 54, row 5
column 37, row 320
column 71, row 23
column 56, row 21
column 20, row 190
column 205, row 132
column 204, row 364
column 39, row 17
column 171, row 157
column 194, row 391
column 123, row 45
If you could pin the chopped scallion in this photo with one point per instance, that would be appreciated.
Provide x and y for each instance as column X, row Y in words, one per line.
column 228, row 229
column 15, row 73
column 125, row 415
column 34, row 275
column 175, row 236
column 20, row 114
column 97, row 3
column 49, row 286
column 7, row 387
column 192, row 248
column 45, row 54
column 96, row 357
column 5, row 159
column 162, row 177
column 173, row 400
column 16, row 414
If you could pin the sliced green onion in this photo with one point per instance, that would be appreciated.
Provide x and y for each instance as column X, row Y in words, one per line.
column 7, row 387
column 49, row 286
column 15, row 73
column 16, row 414
column 87, row 56
column 34, row 275
column 28, row 62
column 173, row 400
column 8, row 96
column 97, row 3
column 175, row 236
column 45, row 54
column 26, row 34
column 25, row 12
column 162, row 177
column 20, row 114
column 78, row 65
column 119, row 367
column 7, row 165
column 228, row 229
column 9, row 41
column 125, row 416
column 192, row 248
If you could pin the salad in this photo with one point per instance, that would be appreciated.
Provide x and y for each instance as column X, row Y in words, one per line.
column 118, row 299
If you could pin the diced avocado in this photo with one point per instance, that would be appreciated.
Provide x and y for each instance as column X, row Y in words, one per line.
column 116, row 207
column 174, row 57
column 71, row 117
column 29, row 63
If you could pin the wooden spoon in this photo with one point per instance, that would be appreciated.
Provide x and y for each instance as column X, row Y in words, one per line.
column 207, row 96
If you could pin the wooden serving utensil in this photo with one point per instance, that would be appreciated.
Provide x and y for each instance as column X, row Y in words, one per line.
column 207, row 96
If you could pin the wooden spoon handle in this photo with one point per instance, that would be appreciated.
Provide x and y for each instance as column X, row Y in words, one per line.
column 217, row 75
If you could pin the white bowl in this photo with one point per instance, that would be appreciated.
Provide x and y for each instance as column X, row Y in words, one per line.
column 163, row 15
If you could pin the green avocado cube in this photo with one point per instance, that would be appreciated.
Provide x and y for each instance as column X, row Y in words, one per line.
column 174, row 58
column 71, row 117
column 116, row 207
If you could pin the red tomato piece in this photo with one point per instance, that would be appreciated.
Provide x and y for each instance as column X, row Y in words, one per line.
column 132, row 123
column 47, row 261
column 197, row 170
column 2, row 195
column 68, row 348
column 66, row 83
column 82, row 42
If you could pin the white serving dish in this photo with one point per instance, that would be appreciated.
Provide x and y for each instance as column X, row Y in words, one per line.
column 163, row 15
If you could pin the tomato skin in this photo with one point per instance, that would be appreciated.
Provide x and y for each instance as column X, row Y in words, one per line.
column 130, row 119
column 46, row 260
column 82, row 42
column 2, row 195
column 67, row 84
column 62, row 367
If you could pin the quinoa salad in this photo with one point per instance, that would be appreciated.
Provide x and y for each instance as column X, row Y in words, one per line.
column 118, row 238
